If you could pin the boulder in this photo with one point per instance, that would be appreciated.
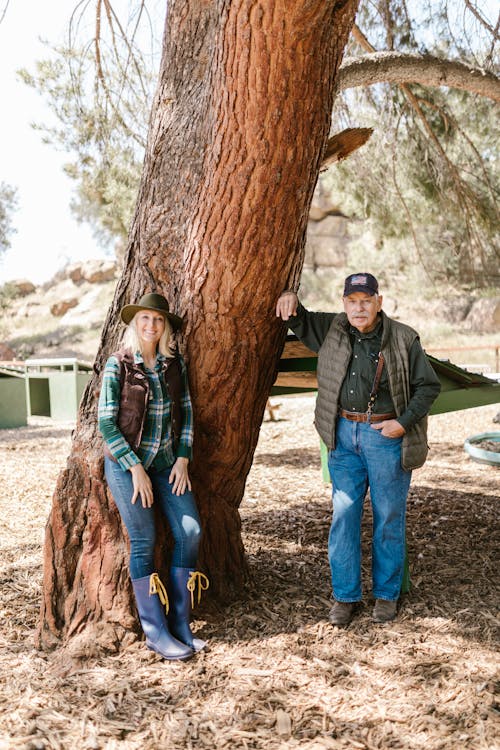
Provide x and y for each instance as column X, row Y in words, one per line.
column 327, row 241
column 456, row 309
column 99, row 271
column 58, row 309
column 23, row 287
column 75, row 273
column 332, row 225
column 325, row 252
column 484, row 316
column 6, row 353
column 88, row 313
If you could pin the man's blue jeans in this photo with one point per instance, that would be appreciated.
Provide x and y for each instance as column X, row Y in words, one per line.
column 180, row 511
column 364, row 458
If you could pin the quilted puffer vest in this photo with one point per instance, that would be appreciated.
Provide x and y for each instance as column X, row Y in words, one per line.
column 333, row 361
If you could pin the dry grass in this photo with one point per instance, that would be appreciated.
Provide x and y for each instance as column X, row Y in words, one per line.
column 277, row 674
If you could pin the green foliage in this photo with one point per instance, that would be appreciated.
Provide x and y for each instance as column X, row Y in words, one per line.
column 8, row 204
column 427, row 181
column 100, row 91
column 7, row 295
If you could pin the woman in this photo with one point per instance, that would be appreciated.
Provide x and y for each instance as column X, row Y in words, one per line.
column 145, row 419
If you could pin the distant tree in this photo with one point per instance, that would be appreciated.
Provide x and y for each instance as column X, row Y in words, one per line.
column 430, row 173
column 8, row 204
column 100, row 90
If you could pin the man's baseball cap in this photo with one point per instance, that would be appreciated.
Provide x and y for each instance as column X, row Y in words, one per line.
column 360, row 282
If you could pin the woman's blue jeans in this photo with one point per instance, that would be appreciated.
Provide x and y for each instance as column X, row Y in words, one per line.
column 179, row 510
column 364, row 458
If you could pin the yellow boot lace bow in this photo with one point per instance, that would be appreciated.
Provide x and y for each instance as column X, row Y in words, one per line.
column 203, row 583
column 157, row 587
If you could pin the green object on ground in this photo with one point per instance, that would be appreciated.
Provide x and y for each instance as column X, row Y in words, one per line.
column 324, row 462
column 54, row 387
column 13, row 409
column 460, row 389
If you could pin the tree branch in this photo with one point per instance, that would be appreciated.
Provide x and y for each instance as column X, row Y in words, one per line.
column 398, row 68
column 4, row 11
column 475, row 12
column 341, row 145
column 406, row 209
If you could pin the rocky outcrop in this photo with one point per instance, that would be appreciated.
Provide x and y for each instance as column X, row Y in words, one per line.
column 75, row 273
column 327, row 241
column 484, row 316
column 6, row 353
column 93, row 271
column 99, row 271
column 89, row 312
column 58, row 309
column 327, row 233
column 22, row 287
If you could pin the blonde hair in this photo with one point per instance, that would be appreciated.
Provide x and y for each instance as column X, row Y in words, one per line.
column 166, row 344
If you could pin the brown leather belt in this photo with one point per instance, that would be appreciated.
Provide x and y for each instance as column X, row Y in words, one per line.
column 356, row 416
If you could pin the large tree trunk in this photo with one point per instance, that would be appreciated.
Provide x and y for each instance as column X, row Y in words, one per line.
column 238, row 128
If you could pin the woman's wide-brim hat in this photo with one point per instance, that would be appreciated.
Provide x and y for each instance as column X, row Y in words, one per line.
column 151, row 302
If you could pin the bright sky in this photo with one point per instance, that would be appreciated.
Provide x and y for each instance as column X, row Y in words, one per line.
column 47, row 235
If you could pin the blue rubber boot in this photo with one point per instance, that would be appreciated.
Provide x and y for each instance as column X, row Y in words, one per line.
column 150, row 597
column 181, row 587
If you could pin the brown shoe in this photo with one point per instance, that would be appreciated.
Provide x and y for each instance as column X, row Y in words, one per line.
column 342, row 613
column 384, row 610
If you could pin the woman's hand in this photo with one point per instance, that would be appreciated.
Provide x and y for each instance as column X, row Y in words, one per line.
column 142, row 486
column 390, row 428
column 179, row 477
column 287, row 305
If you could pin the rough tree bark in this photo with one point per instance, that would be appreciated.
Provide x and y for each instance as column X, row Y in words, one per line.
column 238, row 127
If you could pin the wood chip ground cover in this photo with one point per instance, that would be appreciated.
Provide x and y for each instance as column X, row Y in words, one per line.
column 277, row 674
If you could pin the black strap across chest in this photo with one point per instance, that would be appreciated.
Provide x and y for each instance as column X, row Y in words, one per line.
column 376, row 382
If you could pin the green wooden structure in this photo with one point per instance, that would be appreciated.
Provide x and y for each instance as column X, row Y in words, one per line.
column 13, row 408
column 54, row 387
column 460, row 389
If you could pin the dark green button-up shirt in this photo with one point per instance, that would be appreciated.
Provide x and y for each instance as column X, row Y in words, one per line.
column 358, row 382
column 311, row 328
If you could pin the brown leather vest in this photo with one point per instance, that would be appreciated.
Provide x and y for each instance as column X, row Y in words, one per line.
column 134, row 387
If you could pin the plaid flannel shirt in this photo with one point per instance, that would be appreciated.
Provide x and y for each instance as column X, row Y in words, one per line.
column 156, row 449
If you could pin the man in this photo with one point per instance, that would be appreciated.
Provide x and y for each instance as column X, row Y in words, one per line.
column 375, row 388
